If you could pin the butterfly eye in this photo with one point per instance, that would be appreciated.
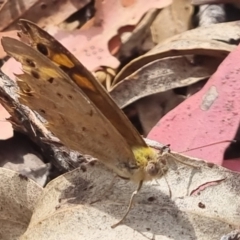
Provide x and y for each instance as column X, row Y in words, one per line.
column 30, row 62
column 42, row 49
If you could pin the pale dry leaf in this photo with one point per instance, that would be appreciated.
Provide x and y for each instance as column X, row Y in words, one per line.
column 199, row 205
column 159, row 76
column 209, row 40
column 177, row 18
column 17, row 201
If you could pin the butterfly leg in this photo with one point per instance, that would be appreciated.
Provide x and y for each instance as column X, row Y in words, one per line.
column 129, row 205
column 169, row 189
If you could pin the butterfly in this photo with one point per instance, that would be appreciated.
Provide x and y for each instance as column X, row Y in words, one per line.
column 78, row 109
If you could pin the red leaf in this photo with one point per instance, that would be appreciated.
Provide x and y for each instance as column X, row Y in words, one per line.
column 6, row 130
column 90, row 44
column 209, row 116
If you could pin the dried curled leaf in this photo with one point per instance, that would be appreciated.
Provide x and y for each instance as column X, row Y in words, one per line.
column 159, row 76
column 210, row 40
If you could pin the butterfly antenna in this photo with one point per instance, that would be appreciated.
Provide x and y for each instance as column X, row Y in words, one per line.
column 182, row 162
column 129, row 205
column 211, row 144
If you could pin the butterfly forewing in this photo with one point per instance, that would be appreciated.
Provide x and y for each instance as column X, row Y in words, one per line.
column 48, row 46
column 70, row 114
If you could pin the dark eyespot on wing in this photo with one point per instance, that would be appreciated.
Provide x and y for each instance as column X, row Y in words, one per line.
column 35, row 74
column 42, row 49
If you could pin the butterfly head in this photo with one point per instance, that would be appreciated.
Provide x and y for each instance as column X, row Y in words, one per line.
column 151, row 164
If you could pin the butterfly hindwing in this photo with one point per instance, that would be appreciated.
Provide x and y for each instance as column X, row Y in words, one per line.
column 70, row 114
column 51, row 48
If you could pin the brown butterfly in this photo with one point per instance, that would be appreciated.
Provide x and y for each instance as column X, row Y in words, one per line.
column 78, row 109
